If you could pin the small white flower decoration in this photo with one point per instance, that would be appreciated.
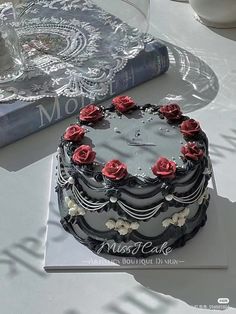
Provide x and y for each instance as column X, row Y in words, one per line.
column 123, row 231
column 81, row 211
column 71, row 203
column 167, row 222
column 126, row 224
column 119, row 223
column 134, row 225
column 122, row 226
column 181, row 222
column 184, row 213
column 177, row 219
column 110, row 224
column 74, row 209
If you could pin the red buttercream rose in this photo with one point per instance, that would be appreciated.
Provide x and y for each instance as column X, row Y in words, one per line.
column 74, row 133
column 171, row 111
column 192, row 151
column 123, row 103
column 115, row 170
column 91, row 113
column 164, row 168
column 190, row 127
column 84, row 155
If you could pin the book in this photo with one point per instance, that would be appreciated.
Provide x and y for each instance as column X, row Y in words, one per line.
column 19, row 118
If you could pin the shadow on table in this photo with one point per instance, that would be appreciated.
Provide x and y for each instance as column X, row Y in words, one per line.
column 189, row 81
column 229, row 33
column 28, row 252
column 72, row 311
column 33, row 148
column 137, row 299
column 218, row 152
column 142, row 300
column 199, row 286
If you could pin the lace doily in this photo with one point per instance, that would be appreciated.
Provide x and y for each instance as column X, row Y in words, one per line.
column 71, row 48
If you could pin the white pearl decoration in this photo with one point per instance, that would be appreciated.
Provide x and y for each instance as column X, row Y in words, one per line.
column 71, row 180
column 113, row 199
column 169, row 197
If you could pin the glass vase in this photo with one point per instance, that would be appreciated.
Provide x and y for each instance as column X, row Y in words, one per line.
column 11, row 59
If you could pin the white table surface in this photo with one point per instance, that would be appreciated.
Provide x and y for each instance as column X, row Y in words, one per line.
column 207, row 89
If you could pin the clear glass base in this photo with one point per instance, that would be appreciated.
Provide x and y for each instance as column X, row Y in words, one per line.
column 12, row 73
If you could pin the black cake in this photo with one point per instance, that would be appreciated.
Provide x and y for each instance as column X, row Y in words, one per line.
column 133, row 178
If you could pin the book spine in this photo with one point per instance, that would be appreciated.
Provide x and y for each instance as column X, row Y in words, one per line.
column 34, row 116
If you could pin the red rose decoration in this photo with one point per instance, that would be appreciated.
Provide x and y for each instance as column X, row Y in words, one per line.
column 115, row 170
column 83, row 155
column 164, row 168
column 123, row 103
column 74, row 133
column 192, row 151
column 91, row 113
column 171, row 111
column 190, row 127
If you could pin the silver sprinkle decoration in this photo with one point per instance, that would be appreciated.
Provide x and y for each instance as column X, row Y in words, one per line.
column 116, row 130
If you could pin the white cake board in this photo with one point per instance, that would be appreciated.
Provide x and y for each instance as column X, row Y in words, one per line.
column 64, row 253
